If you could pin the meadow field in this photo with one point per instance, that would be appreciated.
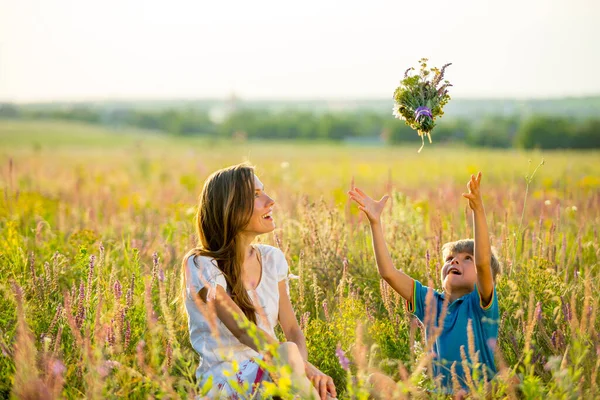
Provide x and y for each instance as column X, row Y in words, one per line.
column 94, row 223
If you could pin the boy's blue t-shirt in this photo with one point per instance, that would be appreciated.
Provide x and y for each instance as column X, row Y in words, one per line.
column 454, row 335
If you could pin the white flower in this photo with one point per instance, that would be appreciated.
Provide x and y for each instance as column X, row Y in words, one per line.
column 285, row 165
column 547, row 202
column 574, row 208
column 396, row 111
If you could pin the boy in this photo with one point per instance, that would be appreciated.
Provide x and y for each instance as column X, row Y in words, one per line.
column 468, row 277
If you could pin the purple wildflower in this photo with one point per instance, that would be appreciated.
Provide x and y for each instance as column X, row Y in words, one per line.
column 118, row 289
column 422, row 112
column 344, row 362
column 325, row 310
column 101, row 247
column 161, row 275
column 127, row 334
column 110, row 334
column 57, row 367
column 155, row 260
column 369, row 313
column 538, row 311
column 121, row 319
column 304, row 320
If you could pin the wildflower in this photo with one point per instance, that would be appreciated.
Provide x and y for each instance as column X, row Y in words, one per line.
column 127, row 334
column 57, row 367
column 548, row 202
column 325, row 310
column 285, row 165
column 154, row 267
column 344, row 362
column 110, row 334
column 396, row 112
column 118, row 289
column 538, row 311
column 161, row 275
column 304, row 320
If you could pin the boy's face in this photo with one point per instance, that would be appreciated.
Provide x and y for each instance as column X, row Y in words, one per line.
column 459, row 273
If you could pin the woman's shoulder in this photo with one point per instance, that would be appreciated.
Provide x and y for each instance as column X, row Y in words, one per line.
column 270, row 251
column 193, row 259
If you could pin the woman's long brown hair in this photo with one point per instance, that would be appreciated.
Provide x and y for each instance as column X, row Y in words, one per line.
column 225, row 207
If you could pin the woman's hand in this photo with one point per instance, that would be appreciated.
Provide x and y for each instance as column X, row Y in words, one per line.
column 323, row 383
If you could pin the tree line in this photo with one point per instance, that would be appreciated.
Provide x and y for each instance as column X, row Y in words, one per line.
column 535, row 131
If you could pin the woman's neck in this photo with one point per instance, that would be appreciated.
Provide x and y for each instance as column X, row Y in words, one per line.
column 247, row 240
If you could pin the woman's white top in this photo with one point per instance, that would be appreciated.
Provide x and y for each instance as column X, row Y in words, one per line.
column 217, row 355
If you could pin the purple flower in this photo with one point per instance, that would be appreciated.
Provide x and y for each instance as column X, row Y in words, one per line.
column 304, row 320
column 423, row 112
column 127, row 334
column 155, row 259
column 538, row 311
column 118, row 289
column 57, row 367
column 161, row 275
column 344, row 362
column 325, row 310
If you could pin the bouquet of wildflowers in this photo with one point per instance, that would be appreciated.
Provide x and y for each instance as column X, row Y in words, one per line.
column 420, row 98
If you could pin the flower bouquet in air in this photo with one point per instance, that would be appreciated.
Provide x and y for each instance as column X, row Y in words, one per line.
column 419, row 99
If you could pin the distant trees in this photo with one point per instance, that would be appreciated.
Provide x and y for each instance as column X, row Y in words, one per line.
column 537, row 131
column 555, row 132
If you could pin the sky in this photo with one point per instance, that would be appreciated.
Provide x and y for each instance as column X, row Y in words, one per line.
column 69, row 50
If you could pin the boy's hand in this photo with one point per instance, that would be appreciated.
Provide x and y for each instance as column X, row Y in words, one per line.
column 369, row 206
column 474, row 195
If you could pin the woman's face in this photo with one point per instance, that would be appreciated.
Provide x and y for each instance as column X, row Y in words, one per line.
column 262, row 217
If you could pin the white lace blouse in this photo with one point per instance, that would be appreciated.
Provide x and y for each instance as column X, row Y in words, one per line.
column 217, row 355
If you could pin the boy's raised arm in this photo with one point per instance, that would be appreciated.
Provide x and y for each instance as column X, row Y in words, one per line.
column 482, row 250
column 398, row 280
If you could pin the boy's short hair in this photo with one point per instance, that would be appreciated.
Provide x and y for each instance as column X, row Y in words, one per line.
column 468, row 246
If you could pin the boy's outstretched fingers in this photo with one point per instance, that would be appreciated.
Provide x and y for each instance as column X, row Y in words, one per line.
column 354, row 195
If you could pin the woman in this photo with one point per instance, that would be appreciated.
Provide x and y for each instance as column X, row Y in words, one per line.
column 232, row 284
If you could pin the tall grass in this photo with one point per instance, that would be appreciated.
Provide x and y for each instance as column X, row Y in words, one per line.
column 91, row 244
